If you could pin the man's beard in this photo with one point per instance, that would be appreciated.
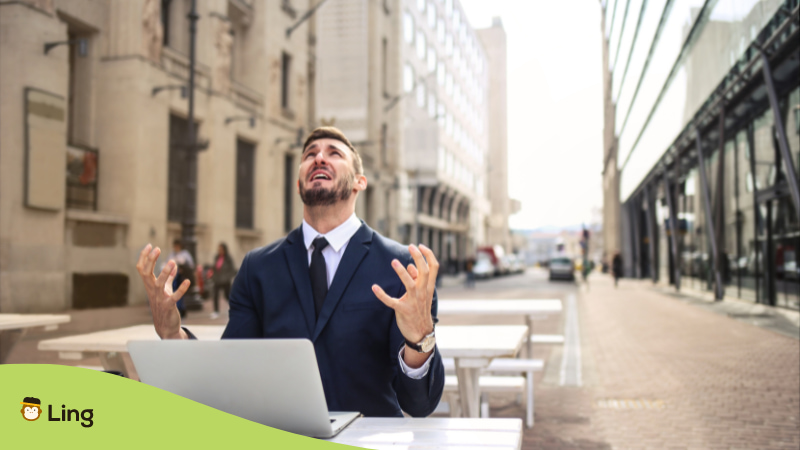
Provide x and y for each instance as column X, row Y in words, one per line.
column 325, row 197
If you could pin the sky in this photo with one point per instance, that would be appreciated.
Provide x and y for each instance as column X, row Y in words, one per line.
column 555, row 107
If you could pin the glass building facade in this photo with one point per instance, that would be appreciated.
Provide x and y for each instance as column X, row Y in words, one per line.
column 706, row 122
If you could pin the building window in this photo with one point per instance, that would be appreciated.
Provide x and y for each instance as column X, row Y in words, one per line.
column 288, row 192
column 245, row 183
column 286, row 64
column 408, row 78
column 432, row 105
column 431, row 15
column 384, row 144
column 408, row 27
column 81, row 178
column 421, row 45
column 440, row 31
column 176, row 24
column 165, row 21
column 448, row 7
column 421, row 5
column 431, row 59
column 421, row 94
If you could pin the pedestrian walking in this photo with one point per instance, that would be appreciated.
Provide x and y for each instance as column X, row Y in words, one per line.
column 185, row 263
column 616, row 267
column 470, row 272
column 224, row 271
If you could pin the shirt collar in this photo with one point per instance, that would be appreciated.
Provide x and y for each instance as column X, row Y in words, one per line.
column 337, row 237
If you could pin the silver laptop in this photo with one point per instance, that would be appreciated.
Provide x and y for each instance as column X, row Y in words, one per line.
column 274, row 382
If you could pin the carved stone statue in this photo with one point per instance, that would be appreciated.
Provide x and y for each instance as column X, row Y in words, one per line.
column 224, row 44
column 152, row 30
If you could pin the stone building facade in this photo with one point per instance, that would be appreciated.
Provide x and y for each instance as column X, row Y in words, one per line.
column 93, row 131
column 93, row 135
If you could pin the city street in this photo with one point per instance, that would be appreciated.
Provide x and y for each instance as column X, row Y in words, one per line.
column 655, row 371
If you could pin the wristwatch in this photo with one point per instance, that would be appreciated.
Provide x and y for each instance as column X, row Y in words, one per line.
column 426, row 344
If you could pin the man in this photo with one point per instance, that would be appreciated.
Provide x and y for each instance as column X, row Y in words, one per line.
column 367, row 303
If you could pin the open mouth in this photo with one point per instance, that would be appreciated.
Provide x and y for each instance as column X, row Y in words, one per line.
column 319, row 175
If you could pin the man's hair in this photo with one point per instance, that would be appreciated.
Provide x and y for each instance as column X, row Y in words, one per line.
column 177, row 242
column 335, row 133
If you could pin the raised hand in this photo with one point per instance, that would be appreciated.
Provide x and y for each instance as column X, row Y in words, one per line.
column 413, row 309
column 163, row 300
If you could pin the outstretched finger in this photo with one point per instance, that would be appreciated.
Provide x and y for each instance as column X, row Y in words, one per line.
column 177, row 295
column 150, row 262
column 405, row 278
column 165, row 273
column 422, row 266
column 171, row 277
column 383, row 296
column 433, row 266
column 141, row 262
column 412, row 270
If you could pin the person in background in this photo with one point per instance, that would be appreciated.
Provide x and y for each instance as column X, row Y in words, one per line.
column 224, row 271
column 183, row 258
column 616, row 267
column 470, row 272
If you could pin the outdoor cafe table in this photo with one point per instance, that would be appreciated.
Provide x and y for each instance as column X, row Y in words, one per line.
column 532, row 309
column 472, row 348
column 111, row 344
column 13, row 327
column 441, row 433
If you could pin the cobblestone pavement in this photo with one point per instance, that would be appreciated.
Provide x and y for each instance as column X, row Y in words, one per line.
column 663, row 373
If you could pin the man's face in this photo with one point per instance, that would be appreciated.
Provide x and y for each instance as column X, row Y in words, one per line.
column 327, row 174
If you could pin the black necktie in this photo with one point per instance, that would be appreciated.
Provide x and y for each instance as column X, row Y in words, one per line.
column 319, row 274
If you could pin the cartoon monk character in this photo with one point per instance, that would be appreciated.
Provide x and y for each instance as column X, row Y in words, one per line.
column 31, row 408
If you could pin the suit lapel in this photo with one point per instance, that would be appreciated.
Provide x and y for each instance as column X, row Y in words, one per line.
column 297, row 257
column 356, row 250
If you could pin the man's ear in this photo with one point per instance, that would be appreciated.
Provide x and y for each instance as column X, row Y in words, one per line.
column 361, row 182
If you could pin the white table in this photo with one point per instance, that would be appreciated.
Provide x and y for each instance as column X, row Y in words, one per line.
column 532, row 309
column 111, row 344
column 13, row 327
column 473, row 347
column 432, row 433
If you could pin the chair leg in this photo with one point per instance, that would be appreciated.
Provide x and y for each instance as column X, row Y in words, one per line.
column 484, row 406
column 455, row 404
column 529, row 402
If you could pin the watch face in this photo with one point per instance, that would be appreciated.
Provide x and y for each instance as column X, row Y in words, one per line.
column 428, row 343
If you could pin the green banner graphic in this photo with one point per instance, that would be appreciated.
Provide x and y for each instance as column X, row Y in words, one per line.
column 52, row 406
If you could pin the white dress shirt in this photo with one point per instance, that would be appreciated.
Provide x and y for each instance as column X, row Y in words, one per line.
column 338, row 238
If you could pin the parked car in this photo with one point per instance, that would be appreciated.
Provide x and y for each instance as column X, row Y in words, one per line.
column 483, row 267
column 562, row 267
column 496, row 254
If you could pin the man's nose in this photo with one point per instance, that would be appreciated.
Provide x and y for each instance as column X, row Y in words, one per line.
column 320, row 158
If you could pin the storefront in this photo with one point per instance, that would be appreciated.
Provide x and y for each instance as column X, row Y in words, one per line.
column 717, row 208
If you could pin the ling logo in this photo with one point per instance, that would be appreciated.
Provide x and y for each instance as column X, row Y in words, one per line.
column 31, row 408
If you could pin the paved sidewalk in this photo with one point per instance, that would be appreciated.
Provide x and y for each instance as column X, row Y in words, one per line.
column 663, row 373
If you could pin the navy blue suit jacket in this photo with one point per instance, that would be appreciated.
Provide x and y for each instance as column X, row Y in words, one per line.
column 356, row 338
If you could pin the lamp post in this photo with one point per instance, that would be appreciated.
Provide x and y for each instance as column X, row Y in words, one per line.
column 192, row 298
